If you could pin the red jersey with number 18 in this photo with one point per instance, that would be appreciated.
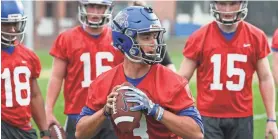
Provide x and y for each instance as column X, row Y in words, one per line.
column 17, row 71
column 225, row 68
column 86, row 57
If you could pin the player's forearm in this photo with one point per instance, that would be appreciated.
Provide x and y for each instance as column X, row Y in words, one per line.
column 87, row 126
column 38, row 112
column 53, row 91
column 268, row 95
column 275, row 71
column 182, row 126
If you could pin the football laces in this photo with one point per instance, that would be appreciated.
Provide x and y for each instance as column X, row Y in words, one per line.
column 58, row 132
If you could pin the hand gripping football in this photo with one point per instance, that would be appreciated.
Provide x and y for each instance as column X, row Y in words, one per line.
column 56, row 132
column 124, row 119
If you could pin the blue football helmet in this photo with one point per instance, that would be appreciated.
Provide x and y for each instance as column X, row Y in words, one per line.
column 131, row 22
column 12, row 14
column 83, row 14
column 240, row 14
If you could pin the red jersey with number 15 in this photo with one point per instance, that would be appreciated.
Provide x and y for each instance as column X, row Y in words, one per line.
column 17, row 71
column 86, row 57
column 225, row 68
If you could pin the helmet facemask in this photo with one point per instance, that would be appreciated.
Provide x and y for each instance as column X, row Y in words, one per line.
column 13, row 38
column 136, row 52
column 239, row 15
column 84, row 15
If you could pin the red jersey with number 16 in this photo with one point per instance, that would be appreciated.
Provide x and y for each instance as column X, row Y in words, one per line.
column 86, row 57
column 225, row 68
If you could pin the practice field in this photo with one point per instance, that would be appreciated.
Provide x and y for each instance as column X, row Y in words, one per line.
column 176, row 56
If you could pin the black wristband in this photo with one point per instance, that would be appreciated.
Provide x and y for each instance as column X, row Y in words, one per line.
column 270, row 120
column 45, row 133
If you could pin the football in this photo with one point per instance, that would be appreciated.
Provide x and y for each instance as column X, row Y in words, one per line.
column 56, row 132
column 124, row 119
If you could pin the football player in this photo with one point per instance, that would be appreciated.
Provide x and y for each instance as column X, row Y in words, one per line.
column 79, row 55
column 274, row 48
column 226, row 53
column 167, row 106
column 21, row 97
column 167, row 60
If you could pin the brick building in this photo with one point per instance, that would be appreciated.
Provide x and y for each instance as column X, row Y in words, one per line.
column 52, row 17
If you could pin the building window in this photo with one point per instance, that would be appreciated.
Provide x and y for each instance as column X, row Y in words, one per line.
column 49, row 7
column 72, row 9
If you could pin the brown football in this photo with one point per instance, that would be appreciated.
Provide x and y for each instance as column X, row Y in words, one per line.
column 57, row 132
column 124, row 119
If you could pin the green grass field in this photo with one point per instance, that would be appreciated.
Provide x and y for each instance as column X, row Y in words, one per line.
column 46, row 61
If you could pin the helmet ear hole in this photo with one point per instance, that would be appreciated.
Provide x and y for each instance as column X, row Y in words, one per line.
column 121, row 40
column 134, row 51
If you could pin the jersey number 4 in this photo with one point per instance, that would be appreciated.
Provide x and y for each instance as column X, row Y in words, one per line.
column 6, row 75
column 86, row 59
column 231, row 71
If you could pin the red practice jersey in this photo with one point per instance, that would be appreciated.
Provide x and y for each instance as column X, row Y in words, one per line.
column 87, row 57
column 161, row 85
column 275, row 41
column 17, row 71
column 225, row 68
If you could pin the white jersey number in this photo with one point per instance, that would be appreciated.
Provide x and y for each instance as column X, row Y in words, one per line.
column 231, row 71
column 6, row 75
column 142, row 130
column 86, row 59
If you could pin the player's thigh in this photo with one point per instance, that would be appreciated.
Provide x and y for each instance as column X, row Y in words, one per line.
column 11, row 132
column 212, row 128
column 243, row 128
column 70, row 127
column 6, row 131
column 31, row 134
column 106, row 131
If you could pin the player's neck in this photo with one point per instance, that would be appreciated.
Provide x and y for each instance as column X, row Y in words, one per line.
column 228, row 28
column 135, row 70
column 93, row 31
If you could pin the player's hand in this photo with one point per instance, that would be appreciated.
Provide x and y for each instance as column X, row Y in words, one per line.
column 51, row 119
column 137, row 96
column 111, row 100
column 271, row 129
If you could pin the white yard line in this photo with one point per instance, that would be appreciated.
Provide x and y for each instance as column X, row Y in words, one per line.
column 261, row 116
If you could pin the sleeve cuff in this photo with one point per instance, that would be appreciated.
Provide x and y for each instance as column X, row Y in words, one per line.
column 194, row 114
column 274, row 49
